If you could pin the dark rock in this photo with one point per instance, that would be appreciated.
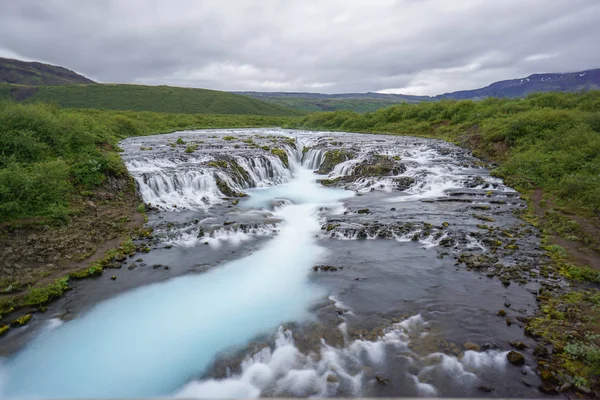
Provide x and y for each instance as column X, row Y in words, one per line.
column 491, row 346
column 515, row 358
column 364, row 211
column 540, row 351
column 502, row 313
column 382, row 379
column 485, row 389
column 113, row 278
column 519, row 345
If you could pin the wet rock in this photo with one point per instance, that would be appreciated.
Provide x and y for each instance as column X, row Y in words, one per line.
column 113, row 278
column 509, row 321
column 382, row 379
column 491, row 346
column 471, row 346
column 132, row 266
column 332, row 378
column 4, row 330
column 565, row 387
column 333, row 158
column 403, row 182
column 515, row 358
column 502, row 313
column 548, row 389
column 519, row 345
column 393, row 209
column 329, row 268
column 485, row 389
column 157, row 266
column 364, row 211
column 541, row 351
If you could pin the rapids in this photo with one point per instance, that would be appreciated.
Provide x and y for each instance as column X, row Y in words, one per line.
column 244, row 310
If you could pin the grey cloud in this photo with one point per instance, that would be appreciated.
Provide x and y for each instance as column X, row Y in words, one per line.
column 413, row 46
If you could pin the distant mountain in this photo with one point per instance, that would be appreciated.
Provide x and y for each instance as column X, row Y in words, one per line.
column 35, row 73
column 565, row 82
column 363, row 102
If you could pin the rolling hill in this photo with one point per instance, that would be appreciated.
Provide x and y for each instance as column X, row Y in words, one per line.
column 145, row 98
column 36, row 73
column 313, row 102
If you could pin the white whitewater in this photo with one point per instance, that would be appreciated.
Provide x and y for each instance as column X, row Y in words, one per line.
column 152, row 340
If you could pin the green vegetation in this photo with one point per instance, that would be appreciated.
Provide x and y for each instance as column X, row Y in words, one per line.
column 50, row 155
column 165, row 99
column 317, row 105
column 549, row 140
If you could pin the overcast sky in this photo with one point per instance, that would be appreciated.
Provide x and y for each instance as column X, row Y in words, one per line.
column 329, row 46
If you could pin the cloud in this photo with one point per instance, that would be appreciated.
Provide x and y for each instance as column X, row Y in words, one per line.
column 411, row 46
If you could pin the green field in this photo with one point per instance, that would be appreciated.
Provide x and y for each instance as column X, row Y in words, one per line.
column 317, row 105
column 166, row 99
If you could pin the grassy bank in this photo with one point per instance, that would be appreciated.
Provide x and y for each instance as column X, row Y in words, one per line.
column 163, row 99
column 49, row 154
column 547, row 146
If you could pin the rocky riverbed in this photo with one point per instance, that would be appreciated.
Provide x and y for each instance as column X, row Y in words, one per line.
column 292, row 263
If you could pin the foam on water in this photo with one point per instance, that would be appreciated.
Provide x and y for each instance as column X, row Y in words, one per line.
column 151, row 340
column 343, row 371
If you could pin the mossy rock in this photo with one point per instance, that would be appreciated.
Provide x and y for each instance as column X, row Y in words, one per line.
column 226, row 190
column 4, row 330
column 24, row 320
column 333, row 158
column 515, row 358
column 282, row 154
column 379, row 165
column 329, row 182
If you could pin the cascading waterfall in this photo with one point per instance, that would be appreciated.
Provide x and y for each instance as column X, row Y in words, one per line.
column 313, row 158
column 173, row 184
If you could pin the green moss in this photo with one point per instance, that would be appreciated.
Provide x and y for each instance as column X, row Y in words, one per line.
column 24, row 320
column 229, row 138
column 483, row 217
column 282, row 154
column 218, row 164
column 180, row 141
column 4, row 330
column 191, row 148
column 329, row 182
column 333, row 158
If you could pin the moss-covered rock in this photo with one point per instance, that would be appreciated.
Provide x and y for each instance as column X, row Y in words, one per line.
column 515, row 358
column 4, row 330
column 226, row 190
column 333, row 158
column 24, row 320
column 282, row 154
column 379, row 165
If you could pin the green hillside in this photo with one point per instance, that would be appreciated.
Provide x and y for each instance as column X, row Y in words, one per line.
column 316, row 105
column 36, row 73
column 145, row 98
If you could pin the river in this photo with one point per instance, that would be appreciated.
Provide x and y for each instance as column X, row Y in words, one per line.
column 267, row 279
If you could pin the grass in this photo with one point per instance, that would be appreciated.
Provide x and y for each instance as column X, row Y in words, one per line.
column 317, row 105
column 50, row 154
column 163, row 99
